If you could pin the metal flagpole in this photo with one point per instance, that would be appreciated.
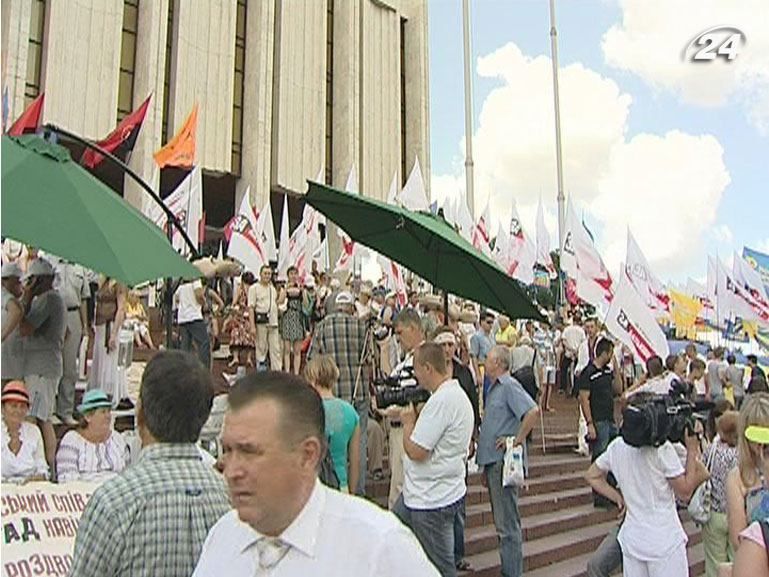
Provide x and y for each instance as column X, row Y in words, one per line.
column 469, row 178
column 558, row 152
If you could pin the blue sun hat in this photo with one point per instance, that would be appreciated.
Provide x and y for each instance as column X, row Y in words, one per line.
column 92, row 400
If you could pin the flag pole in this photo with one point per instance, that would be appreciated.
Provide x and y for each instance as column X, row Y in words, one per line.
column 469, row 165
column 558, row 151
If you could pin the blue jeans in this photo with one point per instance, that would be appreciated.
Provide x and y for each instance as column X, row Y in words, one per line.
column 605, row 432
column 434, row 528
column 196, row 332
column 459, row 532
column 361, row 407
column 507, row 520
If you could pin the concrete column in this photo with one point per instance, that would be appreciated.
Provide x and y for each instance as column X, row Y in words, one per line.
column 16, row 18
column 82, row 65
column 257, row 103
column 148, row 78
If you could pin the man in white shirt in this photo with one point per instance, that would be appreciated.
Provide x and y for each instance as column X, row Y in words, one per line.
column 435, row 444
column 263, row 301
column 285, row 522
column 572, row 338
column 192, row 327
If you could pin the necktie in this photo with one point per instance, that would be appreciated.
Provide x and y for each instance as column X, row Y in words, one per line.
column 271, row 551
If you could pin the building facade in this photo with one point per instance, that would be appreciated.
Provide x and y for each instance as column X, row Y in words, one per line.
column 285, row 88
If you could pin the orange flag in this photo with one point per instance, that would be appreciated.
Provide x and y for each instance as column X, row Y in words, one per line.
column 180, row 150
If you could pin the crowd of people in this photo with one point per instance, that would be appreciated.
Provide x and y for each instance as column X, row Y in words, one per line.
column 342, row 374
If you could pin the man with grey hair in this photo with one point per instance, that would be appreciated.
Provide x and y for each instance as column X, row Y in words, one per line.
column 509, row 412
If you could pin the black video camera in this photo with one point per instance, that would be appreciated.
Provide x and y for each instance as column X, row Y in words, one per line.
column 659, row 418
column 391, row 391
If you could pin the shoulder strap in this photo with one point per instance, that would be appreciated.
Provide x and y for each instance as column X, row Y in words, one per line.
column 765, row 532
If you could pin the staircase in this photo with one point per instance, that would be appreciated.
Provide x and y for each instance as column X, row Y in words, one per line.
column 561, row 528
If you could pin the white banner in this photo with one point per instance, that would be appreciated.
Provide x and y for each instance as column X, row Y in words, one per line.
column 40, row 522
column 186, row 203
column 648, row 286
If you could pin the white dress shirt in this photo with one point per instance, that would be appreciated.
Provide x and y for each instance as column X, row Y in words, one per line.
column 31, row 458
column 334, row 535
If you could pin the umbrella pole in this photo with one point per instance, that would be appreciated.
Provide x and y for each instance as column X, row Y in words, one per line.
column 445, row 308
column 125, row 168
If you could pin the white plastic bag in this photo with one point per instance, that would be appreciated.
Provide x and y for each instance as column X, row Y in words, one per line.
column 512, row 471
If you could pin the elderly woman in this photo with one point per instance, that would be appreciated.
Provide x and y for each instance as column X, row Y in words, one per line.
column 93, row 452
column 23, row 457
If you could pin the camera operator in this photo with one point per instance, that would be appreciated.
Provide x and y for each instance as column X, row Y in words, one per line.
column 599, row 382
column 652, row 539
column 435, row 443
column 408, row 330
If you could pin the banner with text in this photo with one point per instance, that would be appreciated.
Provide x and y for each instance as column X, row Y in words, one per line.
column 39, row 526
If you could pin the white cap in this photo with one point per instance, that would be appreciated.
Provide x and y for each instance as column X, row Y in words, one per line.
column 11, row 269
column 344, row 298
column 40, row 267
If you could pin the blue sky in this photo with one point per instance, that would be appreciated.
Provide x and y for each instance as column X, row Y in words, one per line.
column 581, row 27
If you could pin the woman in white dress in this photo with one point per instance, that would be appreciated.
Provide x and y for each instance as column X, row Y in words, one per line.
column 23, row 457
column 92, row 452
column 104, row 373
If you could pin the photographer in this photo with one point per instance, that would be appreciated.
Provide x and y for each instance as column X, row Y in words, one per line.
column 652, row 539
column 408, row 330
column 435, row 444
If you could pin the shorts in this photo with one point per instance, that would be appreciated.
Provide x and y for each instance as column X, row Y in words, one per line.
column 42, row 396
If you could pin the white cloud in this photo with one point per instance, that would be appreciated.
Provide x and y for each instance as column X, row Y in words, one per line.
column 665, row 187
column 723, row 234
column 651, row 42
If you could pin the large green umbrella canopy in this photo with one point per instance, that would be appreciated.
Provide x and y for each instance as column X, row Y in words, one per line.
column 52, row 203
column 425, row 244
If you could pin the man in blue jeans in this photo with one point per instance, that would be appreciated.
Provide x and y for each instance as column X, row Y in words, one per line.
column 599, row 382
column 435, row 446
column 509, row 412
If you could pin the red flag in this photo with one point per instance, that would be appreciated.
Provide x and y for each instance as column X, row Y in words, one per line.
column 124, row 135
column 29, row 121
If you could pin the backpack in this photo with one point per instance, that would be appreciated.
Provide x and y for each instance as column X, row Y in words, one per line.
column 525, row 375
column 327, row 473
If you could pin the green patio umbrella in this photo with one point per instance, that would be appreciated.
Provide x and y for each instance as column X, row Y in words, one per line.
column 51, row 202
column 426, row 245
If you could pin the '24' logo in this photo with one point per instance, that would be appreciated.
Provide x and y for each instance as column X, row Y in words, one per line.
column 720, row 41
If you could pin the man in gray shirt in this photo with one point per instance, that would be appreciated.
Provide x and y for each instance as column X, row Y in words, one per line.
column 72, row 283
column 733, row 376
column 43, row 331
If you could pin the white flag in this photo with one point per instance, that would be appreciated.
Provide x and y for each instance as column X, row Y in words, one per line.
column 648, row 286
column 700, row 292
column 520, row 252
column 350, row 250
column 482, row 232
column 751, row 288
column 265, row 227
column 245, row 242
column 543, row 241
column 413, row 196
column 631, row 321
column 733, row 300
column 284, row 256
column 464, row 220
column 501, row 245
column 582, row 262
column 220, row 255
column 186, row 203
column 392, row 195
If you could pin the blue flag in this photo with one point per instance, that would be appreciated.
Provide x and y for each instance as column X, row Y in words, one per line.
column 760, row 262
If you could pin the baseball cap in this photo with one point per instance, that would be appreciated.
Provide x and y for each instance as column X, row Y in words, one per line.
column 15, row 391
column 757, row 434
column 39, row 267
column 11, row 269
column 344, row 298
column 92, row 400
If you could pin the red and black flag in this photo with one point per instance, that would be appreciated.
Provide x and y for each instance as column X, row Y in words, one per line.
column 121, row 140
column 29, row 121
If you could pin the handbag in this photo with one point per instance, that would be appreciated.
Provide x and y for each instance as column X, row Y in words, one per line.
column 263, row 318
column 512, row 468
column 327, row 473
column 700, row 504
column 528, row 379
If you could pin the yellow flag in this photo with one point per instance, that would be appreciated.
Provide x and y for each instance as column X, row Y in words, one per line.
column 180, row 150
column 684, row 310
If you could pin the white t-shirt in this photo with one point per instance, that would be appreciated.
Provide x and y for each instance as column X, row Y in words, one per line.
column 572, row 338
column 334, row 534
column 264, row 299
column 189, row 307
column 651, row 529
column 444, row 427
